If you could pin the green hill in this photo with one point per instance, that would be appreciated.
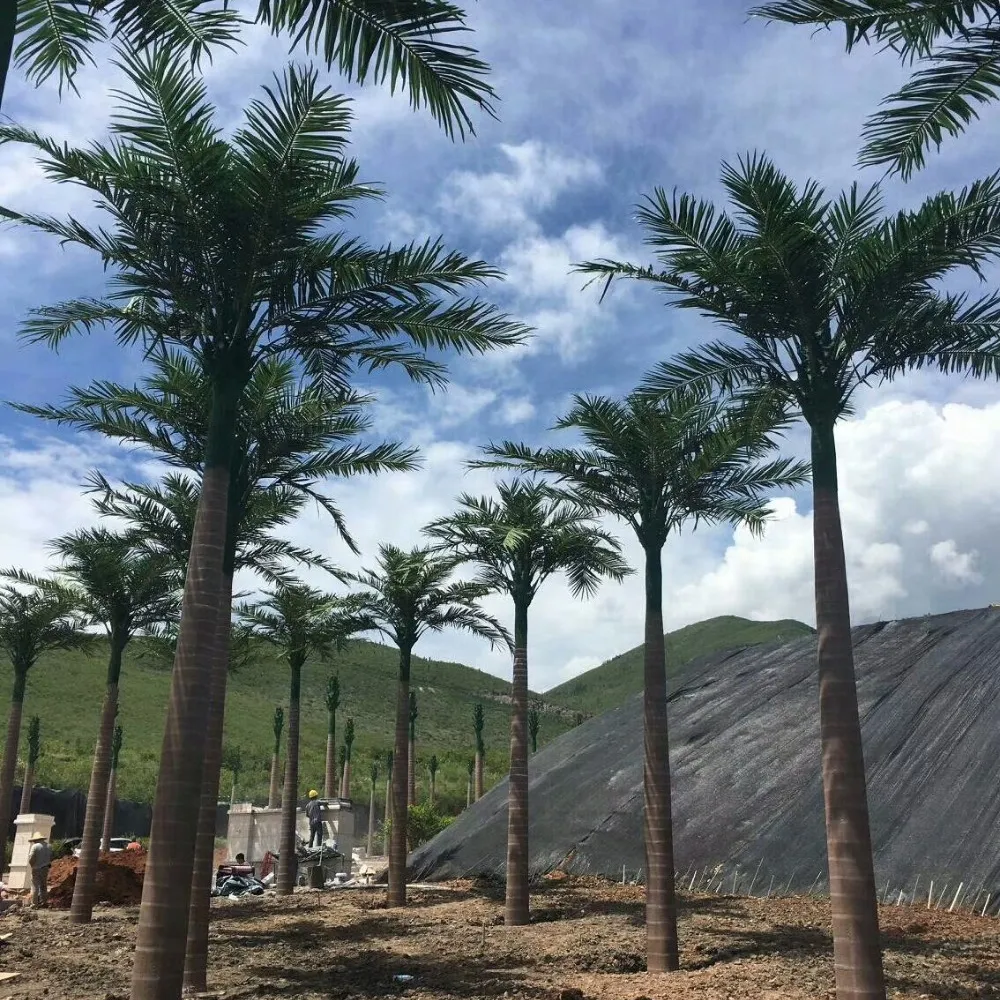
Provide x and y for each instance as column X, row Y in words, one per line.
column 65, row 691
column 608, row 685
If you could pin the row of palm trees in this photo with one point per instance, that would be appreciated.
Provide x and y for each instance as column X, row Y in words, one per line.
column 223, row 261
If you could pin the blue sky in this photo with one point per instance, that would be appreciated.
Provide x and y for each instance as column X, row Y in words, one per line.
column 600, row 101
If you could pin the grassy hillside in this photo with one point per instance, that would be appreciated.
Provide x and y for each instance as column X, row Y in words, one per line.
column 612, row 682
column 65, row 690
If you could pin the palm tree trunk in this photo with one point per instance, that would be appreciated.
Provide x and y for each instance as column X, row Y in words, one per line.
column 388, row 812
column 199, row 912
column 10, row 756
column 287, row 857
column 161, row 939
column 479, row 775
column 345, row 786
column 110, row 807
column 330, row 778
column 273, row 792
column 433, row 789
column 400, row 757
column 82, row 907
column 857, row 952
column 27, row 787
column 468, row 793
column 411, row 772
column 371, row 822
column 516, row 905
column 661, row 902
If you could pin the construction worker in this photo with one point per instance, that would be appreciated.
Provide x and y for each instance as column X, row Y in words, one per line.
column 39, row 860
column 314, row 813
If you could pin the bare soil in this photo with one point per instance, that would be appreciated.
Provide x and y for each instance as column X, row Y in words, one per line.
column 586, row 940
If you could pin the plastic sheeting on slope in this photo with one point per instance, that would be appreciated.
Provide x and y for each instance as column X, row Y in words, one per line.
column 745, row 760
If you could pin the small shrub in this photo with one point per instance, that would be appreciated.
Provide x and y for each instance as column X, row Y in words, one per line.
column 423, row 823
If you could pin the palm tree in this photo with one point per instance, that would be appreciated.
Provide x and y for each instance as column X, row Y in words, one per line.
column 345, row 784
column 957, row 41
column 232, row 761
column 658, row 466
column 388, row 800
column 478, row 723
column 31, row 762
column 534, row 723
column 468, row 788
column 332, row 704
column 119, row 584
column 516, row 542
column 302, row 622
column 31, row 623
column 411, row 749
column 432, row 768
column 373, row 777
column 191, row 272
column 112, row 796
column 367, row 40
column 825, row 296
column 273, row 792
column 411, row 594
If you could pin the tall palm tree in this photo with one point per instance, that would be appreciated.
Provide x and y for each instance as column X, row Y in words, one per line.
column 471, row 768
column 367, row 40
column 432, row 770
column 111, row 804
column 273, row 792
column 122, row 586
column 345, row 784
column 408, row 595
column 411, row 752
column 332, row 704
column 32, row 622
column 222, row 248
column 824, row 296
column 373, row 778
column 31, row 762
column 957, row 42
column 478, row 723
column 656, row 467
column 534, row 723
column 232, row 761
column 516, row 542
column 302, row 622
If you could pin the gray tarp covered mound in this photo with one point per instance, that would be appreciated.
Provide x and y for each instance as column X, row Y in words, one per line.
column 745, row 757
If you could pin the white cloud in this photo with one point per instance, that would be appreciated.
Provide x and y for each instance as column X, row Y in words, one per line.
column 956, row 567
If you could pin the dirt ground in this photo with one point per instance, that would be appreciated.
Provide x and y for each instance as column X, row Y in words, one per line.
column 586, row 940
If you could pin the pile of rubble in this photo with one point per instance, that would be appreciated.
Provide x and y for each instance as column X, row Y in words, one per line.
column 119, row 879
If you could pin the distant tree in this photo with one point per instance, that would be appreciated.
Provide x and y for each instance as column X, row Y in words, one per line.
column 432, row 768
column 345, row 785
column 534, row 723
column 232, row 761
column 411, row 762
column 468, row 788
column 478, row 723
column 388, row 802
column 373, row 777
column 332, row 704
column 577, row 719
column 112, row 797
column 31, row 762
column 274, row 788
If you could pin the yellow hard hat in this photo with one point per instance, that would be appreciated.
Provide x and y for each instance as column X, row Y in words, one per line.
column 313, row 794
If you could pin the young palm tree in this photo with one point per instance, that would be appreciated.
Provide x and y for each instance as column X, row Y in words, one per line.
column 534, row 723
column 517, row 542
column 302, row 622
column 373, row 777
column 388, row 800
column 274, row 791
column 31, row 762
column 478, row 723
column 411, row 594
column 367, row 40
column 658, row 466
column 345, row 784
column 121, row 585
column 958, row 43
column 189, row 271
column 825, row 296
column 411, row 750
column 432, row 770
column 232, row 761
column 31, row 623
column 468, row 788
column 112, row 797
column 332, row 704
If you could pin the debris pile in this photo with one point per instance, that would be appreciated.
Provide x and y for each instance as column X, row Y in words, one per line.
column 119, row 879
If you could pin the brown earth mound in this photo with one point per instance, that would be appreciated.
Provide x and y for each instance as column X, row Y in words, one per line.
column 119, row 879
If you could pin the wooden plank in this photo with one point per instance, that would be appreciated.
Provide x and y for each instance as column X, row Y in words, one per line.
column 6, row 976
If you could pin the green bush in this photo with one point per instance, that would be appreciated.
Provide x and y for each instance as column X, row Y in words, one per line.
column 423, row 823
